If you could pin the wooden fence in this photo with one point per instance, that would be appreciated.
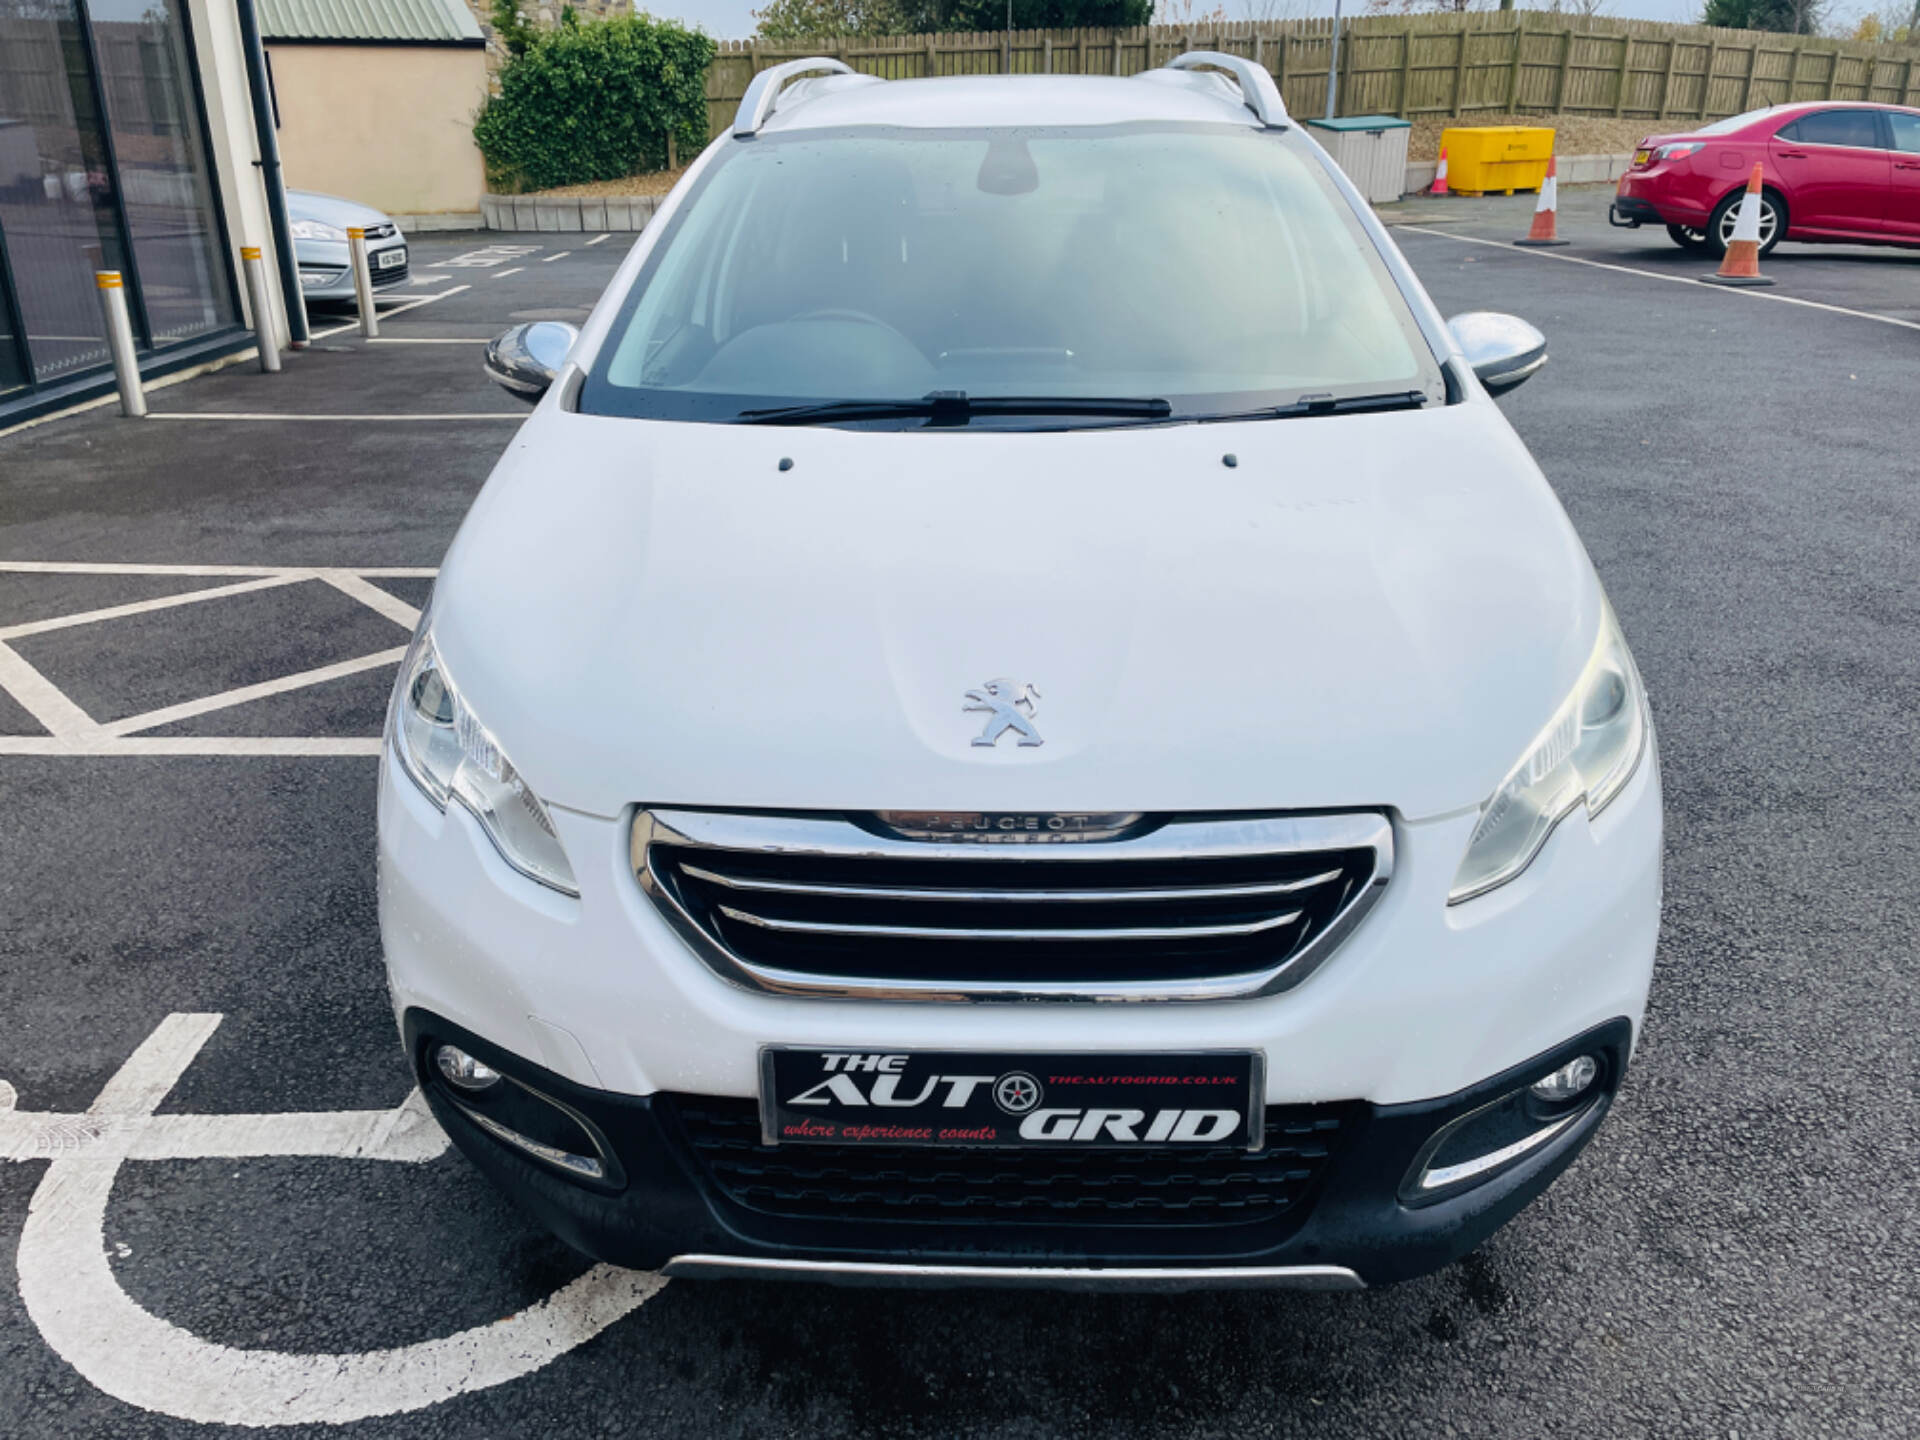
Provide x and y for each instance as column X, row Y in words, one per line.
column 1489, row 62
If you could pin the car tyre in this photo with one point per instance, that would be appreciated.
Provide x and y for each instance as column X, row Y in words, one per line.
column 1686, row 237
column 1773, row 223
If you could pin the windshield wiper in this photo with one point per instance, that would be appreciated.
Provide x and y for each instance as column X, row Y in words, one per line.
column 956, row 407
column 1325, row 405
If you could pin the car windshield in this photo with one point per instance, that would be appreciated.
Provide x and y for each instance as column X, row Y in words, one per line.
column 1173, row 270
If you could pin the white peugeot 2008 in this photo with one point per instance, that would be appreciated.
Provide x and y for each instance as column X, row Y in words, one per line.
column 1016, row 714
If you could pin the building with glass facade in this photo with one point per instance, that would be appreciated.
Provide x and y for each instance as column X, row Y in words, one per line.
column 108, row 161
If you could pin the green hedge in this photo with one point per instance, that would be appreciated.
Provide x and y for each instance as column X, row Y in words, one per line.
column 595, row 100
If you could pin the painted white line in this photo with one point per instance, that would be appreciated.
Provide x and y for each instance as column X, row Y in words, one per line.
column 407, row 1133
column 80, row 1308
column 413, row 304
column 141, row 607
column 502, row 274
column 514, row 416
column 428, row 340
column 1692, row 281
column 558, row 255
column 486, row 257
column 245, row 694
column 373, row 597
column 416, row 303
column 138, row 747
column 119, row 567
column 178, row 377
column 43, row 700
column 598, row 238
column 138, row 1087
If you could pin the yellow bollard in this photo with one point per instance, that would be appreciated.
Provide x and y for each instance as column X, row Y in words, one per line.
column 126, row 365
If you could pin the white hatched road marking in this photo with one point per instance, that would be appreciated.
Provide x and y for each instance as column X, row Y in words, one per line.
column 85, row 1315
column 502, row 274
column 242, row 695
column 73, row 732
column 137, row 747
column 598, row 238
column 558, row 255
column 159, row 602
column 42, row 699
column 373, row 597
column 135, row 567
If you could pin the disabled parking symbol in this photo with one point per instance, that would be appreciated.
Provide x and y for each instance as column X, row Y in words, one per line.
column 74, row 1299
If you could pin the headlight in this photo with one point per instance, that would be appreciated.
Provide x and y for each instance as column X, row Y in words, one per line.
column 1677, row 151
column 315, row 230
column 1586, row 754
column 449, row 754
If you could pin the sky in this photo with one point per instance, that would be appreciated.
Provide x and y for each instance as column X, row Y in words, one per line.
column 733, row 19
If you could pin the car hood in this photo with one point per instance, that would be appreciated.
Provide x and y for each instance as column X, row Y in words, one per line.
column 1364, row 610
column 332, row 210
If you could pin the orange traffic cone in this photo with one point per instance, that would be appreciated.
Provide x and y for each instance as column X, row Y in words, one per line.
column 1742, row 263
column 1440, row 177
column 1542, row 232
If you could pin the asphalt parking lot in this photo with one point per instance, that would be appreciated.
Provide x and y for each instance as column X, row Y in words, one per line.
column 222, row 1207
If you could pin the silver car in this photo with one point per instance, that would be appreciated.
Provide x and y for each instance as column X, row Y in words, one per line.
column 319, row 224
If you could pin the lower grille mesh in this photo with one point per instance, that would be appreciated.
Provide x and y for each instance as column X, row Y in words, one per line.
column 1196, row 1187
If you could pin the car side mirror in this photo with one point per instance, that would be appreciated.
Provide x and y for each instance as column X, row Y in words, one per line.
column 1503, row 350
column 525, row 360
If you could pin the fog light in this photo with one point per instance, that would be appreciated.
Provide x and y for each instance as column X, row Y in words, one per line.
column 463, row 1071
column 1569, row 1080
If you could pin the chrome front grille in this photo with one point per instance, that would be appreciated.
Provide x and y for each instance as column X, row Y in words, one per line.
column 1175, row 909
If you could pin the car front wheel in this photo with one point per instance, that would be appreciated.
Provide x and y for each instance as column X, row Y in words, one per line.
column 1773, row 222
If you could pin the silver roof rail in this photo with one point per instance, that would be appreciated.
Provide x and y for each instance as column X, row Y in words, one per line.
column 1262, row 96
column 757, row 104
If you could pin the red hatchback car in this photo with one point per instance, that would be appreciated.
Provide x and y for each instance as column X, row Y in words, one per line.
column 1833, row 171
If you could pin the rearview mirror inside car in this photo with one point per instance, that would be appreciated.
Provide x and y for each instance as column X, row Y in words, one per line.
column 525, row 360
column 1503, row 350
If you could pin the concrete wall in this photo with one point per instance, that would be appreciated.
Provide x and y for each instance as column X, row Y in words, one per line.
column 388, row 125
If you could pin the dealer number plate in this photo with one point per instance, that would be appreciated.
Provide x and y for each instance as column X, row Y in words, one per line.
column 391, row 259
column 1011, row 1099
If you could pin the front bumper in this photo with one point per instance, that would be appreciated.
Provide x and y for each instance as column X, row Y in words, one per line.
column 330, row 264
column 660, row 1206
column 597, row 1002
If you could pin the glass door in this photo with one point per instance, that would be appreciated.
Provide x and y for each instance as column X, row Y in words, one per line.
column 153, row 122
column 103, row 166
column 13, row 345
column 56, row 209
